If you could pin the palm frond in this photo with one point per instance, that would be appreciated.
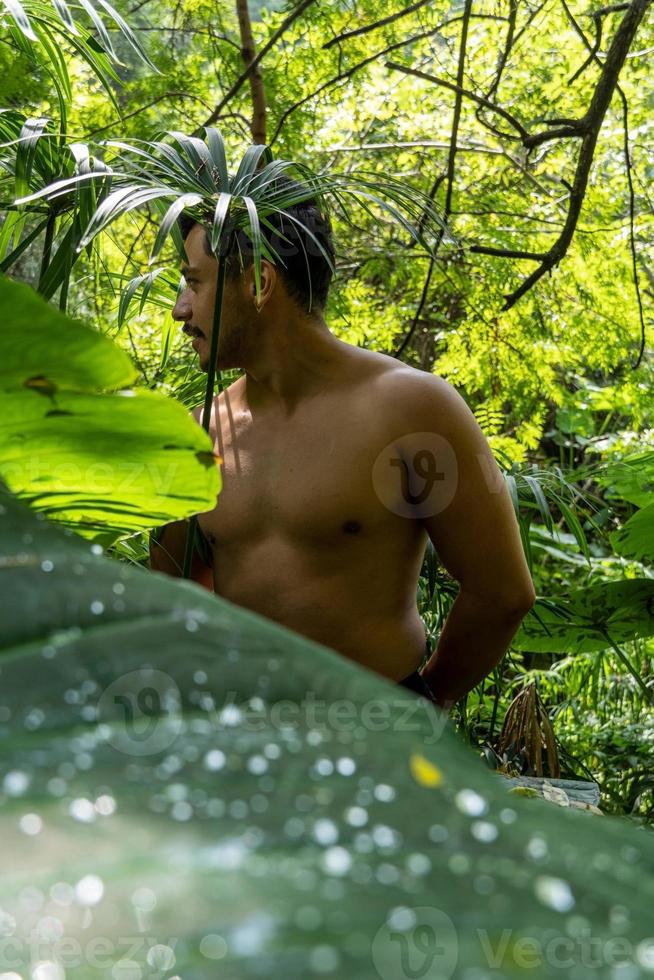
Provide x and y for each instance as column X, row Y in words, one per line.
column 26, row 147
column 177, row 173
column 142, row 284
column 170, row 218
column 248, row 167
column 219, row 218
column 216, row 146
column 17, row 11
column 36, row 19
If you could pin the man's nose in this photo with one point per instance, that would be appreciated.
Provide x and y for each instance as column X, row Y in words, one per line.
column 182, row 308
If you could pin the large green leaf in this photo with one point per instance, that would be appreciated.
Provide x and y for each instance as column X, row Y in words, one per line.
column 631, row 478
column 39, row 342
column 582, row 622
column 192, row 790
column 636, row 537
column 104, row 463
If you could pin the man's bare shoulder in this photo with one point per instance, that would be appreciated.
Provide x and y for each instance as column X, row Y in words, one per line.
column 230, row 394
column 412, row 392
column 373, row 367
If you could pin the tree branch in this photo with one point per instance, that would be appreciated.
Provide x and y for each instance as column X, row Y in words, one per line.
column 572, row 129
column 450, row 173
column 588, row 129
column 508, row 253
column 257, row 91
column 409, row 144
column 632, row 232
column 479, row 99
column 625, row 125
column 593, row 49
column 349, row 72
column 592, row 123
column 270, row 43
column 378, row 23
column 611, row 9
column 508, row 44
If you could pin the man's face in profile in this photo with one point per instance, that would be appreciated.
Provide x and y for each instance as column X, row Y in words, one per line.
column 195, row 305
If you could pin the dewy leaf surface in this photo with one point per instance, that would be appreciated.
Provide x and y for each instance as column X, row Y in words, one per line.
column 191, row 790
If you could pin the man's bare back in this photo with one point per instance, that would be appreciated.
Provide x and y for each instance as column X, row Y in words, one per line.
column 299, row 533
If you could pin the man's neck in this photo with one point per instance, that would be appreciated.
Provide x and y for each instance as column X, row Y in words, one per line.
column 290, row 364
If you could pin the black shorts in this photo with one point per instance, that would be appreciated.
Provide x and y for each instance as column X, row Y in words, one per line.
column 415, row 682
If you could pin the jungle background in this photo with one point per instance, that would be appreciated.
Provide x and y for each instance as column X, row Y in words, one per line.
column 530, row 125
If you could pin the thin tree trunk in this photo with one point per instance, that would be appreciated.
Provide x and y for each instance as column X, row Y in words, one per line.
column 255, row 78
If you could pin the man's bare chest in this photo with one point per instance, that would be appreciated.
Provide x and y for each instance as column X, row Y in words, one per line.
column 308, row 478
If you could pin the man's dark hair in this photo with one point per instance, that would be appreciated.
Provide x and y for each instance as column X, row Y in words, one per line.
column 305, row 271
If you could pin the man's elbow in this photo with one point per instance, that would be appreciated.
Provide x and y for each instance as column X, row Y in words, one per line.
column 507, row 605
column 516, row 604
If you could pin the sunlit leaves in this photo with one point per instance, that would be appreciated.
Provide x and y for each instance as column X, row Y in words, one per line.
column 588, row 619
column 636, row 537
column 191, row 175
column 104, row 463
column 35, row 19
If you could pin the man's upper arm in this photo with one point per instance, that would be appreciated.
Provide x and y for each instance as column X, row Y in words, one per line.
column 168, row 546
column 468, row 515
column 167, row 550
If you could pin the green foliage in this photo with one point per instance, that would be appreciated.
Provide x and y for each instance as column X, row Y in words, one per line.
column 604, row 723
column 106, row 464
column 549, row 380
column 38, row 29
column 190, row 736
column 585, row 619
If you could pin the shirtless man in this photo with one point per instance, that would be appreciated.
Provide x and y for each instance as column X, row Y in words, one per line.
column 337, row 464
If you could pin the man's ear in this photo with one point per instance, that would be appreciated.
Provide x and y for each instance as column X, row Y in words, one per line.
column 268, row 283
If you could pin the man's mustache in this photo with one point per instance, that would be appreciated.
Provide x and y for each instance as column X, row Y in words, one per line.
column 192, row 331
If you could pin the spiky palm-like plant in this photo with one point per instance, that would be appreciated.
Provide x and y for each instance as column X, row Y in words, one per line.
column 180, row 173
column 35, row 151
column 32, row 154
column 38, row 29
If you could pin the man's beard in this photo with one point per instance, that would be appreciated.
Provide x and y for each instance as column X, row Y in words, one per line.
column 229, row 354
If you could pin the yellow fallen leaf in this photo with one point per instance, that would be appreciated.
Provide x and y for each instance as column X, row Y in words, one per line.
column 425, row 772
